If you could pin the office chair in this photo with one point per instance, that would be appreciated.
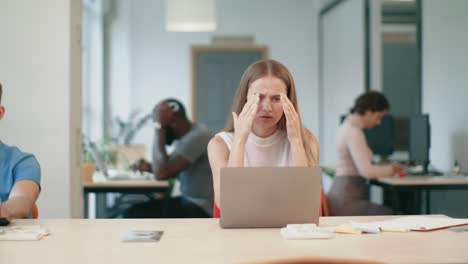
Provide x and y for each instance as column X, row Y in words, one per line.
column 216, row 212
column 324, row 204
column 35, row 212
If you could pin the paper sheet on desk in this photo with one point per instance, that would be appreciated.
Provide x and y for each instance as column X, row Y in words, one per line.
column 411, row 223
column 305, row 231
column 123, row 176
column 22, row 233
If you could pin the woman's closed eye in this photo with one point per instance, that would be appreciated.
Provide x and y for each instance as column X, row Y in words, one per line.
column 276, row 98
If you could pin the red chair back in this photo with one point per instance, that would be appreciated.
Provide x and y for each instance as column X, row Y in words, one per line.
column 323, row 204
column 35, row 212
column 216, row 211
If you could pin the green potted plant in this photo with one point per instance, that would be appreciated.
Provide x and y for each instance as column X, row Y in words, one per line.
column 128, row 129
column 128, row 153
column 88, row 164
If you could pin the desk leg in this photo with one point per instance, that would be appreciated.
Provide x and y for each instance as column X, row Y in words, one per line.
column 419, row 203
column 86, row 205
column 101, row 205
column 428, row 202
column 396, row 201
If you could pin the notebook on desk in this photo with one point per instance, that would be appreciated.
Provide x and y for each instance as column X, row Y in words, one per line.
column 271, row 197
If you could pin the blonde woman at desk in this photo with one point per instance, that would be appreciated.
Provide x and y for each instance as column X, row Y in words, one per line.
column 349, row 193
column 265, row 128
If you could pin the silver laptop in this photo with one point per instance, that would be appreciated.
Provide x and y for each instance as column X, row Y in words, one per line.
column 101, row 165
column 268, row 197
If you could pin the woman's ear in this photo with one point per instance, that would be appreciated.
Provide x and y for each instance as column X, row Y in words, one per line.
column 367, row 113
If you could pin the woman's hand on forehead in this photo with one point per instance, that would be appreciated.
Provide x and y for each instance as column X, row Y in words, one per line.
column 252, row 96
column 263, row 95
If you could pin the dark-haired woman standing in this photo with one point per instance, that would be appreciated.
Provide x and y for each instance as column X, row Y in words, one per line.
column 349, row 194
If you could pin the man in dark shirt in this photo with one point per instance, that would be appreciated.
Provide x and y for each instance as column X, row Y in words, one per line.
column 188, row 162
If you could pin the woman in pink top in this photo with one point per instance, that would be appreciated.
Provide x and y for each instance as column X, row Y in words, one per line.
column 265, row 128
column 349, row 194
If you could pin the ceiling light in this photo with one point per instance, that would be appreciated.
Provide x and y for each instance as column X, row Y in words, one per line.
column 190, row 15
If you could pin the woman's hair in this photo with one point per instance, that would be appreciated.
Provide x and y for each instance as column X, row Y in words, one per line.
column 256, row 71
column 370, row 101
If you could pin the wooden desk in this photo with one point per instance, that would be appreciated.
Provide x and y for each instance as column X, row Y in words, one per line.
column 122, row 186
column 422, row 184
column 203, row 241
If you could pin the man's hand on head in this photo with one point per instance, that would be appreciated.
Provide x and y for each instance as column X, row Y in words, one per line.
column 163, row 114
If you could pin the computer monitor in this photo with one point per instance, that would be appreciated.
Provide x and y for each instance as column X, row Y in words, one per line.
column 419, row 140
column 380, row 138
column 401, row 133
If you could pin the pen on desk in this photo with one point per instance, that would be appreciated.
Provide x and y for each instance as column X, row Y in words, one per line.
column 369, row 230
column 387, row 229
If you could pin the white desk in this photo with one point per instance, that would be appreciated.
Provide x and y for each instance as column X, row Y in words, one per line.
column 436, row 181
column 203, row 241
column 122, row 186
column 422, row 184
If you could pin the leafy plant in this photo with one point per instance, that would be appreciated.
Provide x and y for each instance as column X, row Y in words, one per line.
column 128, row 129
column 108, row 151
column 86, row 155
column 105, row 149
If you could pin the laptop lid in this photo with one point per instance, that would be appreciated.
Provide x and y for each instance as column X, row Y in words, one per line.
column 269, row 197
column 112, row 174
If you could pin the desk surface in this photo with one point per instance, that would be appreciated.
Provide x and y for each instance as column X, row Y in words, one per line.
column 119, row 186
column 126, row 184
column 203, row 241
column 424, row 180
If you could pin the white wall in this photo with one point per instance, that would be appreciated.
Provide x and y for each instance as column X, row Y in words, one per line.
column 445, row 79
column 160, row 62
column 343, row 70
column 119, row 62
column 93, row 66
column 43, row 113
column 445, row 91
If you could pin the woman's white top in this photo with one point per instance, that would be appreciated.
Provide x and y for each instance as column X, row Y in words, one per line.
column 272, row 151
column 353, row 154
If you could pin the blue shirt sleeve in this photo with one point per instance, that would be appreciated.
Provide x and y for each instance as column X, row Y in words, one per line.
column 27, row 168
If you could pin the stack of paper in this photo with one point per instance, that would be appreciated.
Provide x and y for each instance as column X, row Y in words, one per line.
column 305, row 231
column 24, row 233
column 124, row 176
column 142, row 236
column 410, row 223
column 348, row 229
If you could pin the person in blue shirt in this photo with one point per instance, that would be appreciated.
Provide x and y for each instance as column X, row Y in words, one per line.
column 20, row 176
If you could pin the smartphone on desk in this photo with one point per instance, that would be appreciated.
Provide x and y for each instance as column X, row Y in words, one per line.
column 4, row 222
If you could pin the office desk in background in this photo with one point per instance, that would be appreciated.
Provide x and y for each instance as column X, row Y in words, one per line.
column 422, row 184
column 203, row 241
column 121, row 186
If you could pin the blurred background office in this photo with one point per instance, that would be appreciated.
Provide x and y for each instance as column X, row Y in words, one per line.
column 71, row 67
column 133, row 56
